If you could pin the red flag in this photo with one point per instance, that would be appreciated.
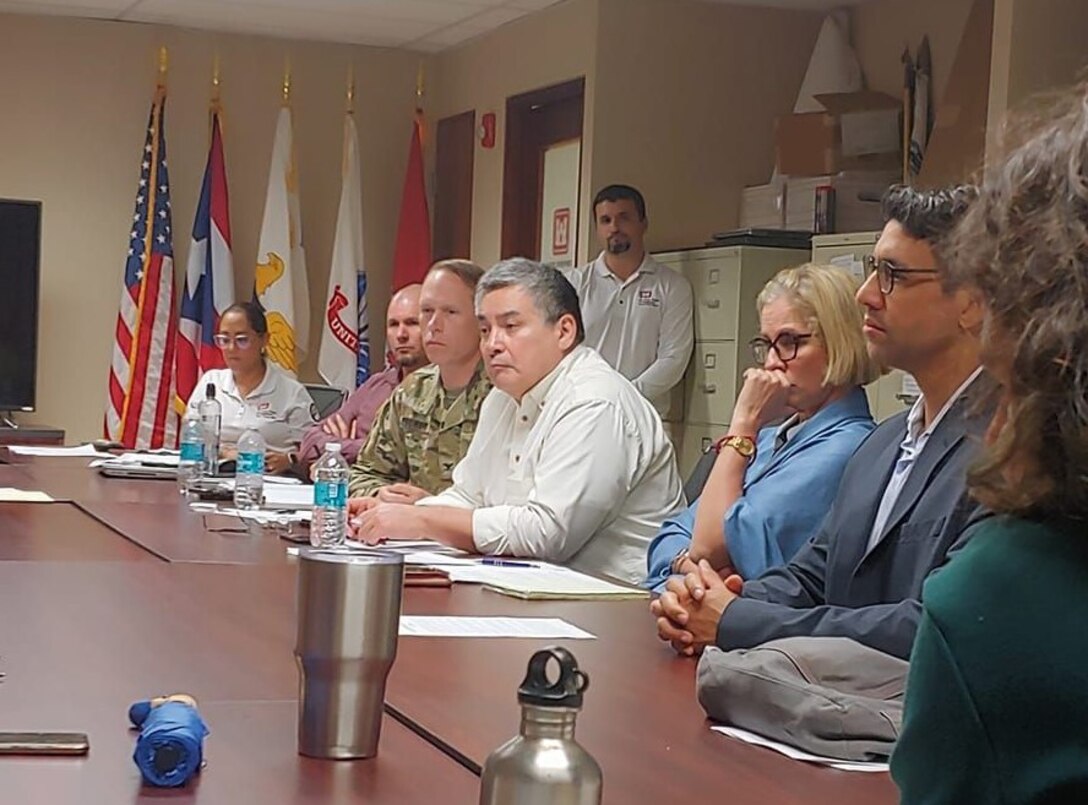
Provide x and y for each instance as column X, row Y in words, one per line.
column 412, row 258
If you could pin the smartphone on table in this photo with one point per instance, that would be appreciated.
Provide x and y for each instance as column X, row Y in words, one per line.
column 43, row 743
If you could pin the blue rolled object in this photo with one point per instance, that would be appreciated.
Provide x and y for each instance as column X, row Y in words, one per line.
column 138, row 712
column 170, row 747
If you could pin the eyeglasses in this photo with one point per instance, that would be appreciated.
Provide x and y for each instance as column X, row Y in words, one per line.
column 785, row 346
column 222, row 340
column 886, row 272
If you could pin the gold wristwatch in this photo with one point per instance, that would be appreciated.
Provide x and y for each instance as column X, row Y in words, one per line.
column 742, row 444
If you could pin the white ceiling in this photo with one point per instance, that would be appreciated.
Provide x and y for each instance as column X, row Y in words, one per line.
column 424, row 25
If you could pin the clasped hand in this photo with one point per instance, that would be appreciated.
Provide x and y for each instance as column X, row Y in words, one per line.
column 689, row 610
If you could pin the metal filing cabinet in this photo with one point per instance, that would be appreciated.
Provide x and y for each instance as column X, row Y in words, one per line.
column 725, row 281
column 892, row 393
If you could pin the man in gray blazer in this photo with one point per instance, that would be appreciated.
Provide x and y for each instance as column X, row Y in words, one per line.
column 901, row 509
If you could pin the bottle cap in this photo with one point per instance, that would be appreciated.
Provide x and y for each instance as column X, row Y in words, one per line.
column 565, row 691
column 209, row 391
column 332, row 447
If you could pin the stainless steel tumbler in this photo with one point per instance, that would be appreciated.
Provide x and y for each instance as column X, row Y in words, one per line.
column 348, row 618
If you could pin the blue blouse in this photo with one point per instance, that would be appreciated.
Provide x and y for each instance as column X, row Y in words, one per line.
column 785, row 496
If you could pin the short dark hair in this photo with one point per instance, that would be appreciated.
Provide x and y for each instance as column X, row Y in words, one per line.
column 618, row 192
column 928, row 215
column 552, row 293
column 254, row 314
column 1022, row 247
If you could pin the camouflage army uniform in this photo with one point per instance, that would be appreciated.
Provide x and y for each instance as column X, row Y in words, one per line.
column 419, row 434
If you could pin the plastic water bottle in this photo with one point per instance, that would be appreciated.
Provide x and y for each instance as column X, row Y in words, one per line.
column 249, row 476
column 330, row 519
column 191, row 461
column 211, row 416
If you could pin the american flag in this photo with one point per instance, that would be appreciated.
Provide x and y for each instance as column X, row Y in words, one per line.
column 139, row 412
column 209, row 276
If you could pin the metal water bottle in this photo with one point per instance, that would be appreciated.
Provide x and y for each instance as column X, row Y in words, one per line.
column 544, row 765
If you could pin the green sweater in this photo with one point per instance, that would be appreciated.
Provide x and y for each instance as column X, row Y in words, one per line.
column 997, row 698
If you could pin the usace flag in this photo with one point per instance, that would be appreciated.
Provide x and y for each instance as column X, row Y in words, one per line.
column 342, row 327
column 209, row 275
column 140, row 412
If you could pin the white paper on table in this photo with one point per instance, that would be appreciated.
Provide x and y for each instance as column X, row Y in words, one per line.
column 452, row 626
column 432, row 558
column 288, row 496
column 282, row 480
column 268, row 516
column 413, row 547
column 81, row 450
column 409, row 549
column 150, row 459
column 10, row 494
column 541, row 580
column 798, row 754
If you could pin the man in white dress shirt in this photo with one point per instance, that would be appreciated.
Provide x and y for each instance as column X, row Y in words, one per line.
column 637, row 312
column 569, row 462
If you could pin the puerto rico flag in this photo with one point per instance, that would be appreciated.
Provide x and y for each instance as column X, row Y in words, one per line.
column 209, row 275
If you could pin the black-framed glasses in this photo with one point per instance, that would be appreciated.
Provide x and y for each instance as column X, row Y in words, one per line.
column 886, row 272
column 222, row 340
column 785, row 346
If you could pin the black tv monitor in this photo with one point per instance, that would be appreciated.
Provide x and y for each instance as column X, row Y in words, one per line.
column 20, row 251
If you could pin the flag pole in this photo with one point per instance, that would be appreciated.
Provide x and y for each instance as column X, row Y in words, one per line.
column 215, row 80
column 287, row 81
column 163, row 62
column 419, row 100
column 215, row 108
column 351, row 90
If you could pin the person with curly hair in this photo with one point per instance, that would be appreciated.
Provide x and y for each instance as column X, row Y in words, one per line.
column 996, row 706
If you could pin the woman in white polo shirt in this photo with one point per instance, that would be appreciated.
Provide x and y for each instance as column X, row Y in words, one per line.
column 253, row 392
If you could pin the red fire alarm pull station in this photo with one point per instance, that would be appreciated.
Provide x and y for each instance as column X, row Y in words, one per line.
column 487, row 130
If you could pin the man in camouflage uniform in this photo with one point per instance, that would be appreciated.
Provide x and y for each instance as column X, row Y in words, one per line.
column 425, row 427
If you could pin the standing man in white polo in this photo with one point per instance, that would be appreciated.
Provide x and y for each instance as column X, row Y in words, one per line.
column 637, row 312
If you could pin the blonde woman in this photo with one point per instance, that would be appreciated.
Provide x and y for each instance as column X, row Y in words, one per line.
column 798, row 418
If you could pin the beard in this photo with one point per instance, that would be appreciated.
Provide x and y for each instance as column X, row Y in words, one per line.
column 406, row 360
column 618, row 245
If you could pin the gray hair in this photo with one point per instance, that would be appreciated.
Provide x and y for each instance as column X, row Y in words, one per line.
column 552, row 293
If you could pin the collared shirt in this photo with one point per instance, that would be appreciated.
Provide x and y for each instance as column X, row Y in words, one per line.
column 419, row 433
column 786, row 431
column 642, row 325
column 280, row 408
column 359, row 408
column 579, row 472
column 909, row 449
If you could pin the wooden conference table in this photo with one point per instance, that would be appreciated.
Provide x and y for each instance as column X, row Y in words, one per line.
column 127, row 595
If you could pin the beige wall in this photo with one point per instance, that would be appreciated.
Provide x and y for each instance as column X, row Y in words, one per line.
column 1038, row 46
column 1049, row 46
column 76, row 98
column 687, row 93
column 882, row 29
column 556, row 45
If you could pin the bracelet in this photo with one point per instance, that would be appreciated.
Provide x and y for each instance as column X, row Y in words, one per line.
column 744, row 445
column 678, row 560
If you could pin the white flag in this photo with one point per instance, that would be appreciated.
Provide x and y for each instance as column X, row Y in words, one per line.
column 339, row 335
column 280, row 280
